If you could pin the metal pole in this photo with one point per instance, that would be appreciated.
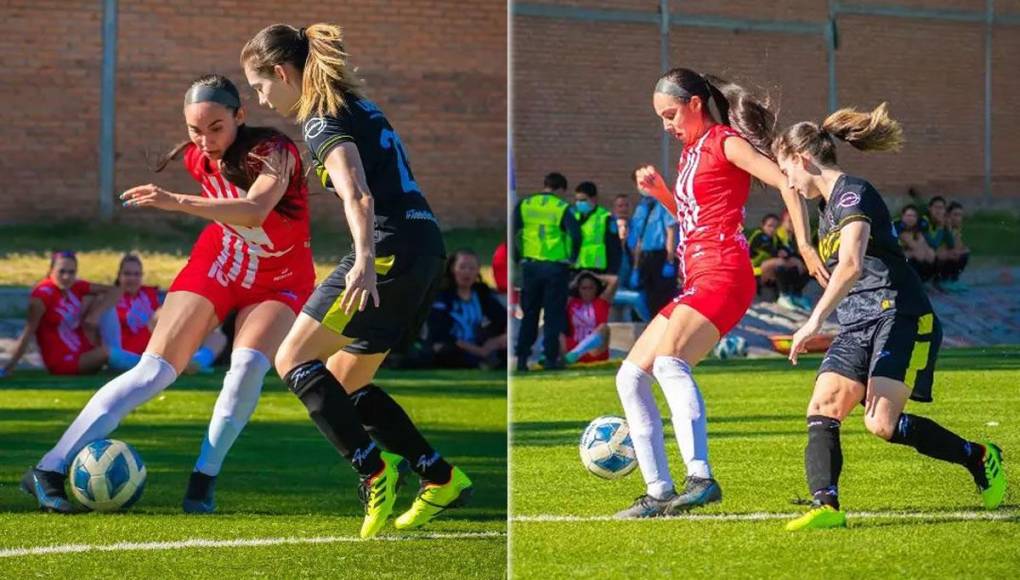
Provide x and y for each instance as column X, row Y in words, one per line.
column 989, row 16
column 667, row 171
column 107, row 142
column 830, row 55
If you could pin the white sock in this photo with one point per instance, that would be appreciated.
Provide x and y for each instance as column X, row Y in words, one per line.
column 235, row 405
column 688, row 410
column 634, row 386
column 108, row 406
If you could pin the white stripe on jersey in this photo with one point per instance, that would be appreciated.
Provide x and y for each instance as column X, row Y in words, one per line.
column 253, row 268
column 687, row 213
column 235, row 268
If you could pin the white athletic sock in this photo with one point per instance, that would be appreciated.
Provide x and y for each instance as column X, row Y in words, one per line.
column 688, row 410
column 591, row 343
column 108, row 406
column 634, row 386
column 235, row 405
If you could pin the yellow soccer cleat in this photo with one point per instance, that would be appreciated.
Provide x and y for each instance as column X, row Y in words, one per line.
column 434, row 499
column 379, row 493
column 819, row 518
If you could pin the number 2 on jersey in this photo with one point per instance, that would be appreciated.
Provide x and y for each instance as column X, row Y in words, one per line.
column 390, row 140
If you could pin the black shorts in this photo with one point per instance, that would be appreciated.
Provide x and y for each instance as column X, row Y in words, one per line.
column 407, row 285
column 898, row 347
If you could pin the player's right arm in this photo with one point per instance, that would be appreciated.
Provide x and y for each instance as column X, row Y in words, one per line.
column 36, row 310
column 343, row 163
column 652, row 184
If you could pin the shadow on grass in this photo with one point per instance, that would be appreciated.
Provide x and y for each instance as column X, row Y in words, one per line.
column 555, row 433
column 274, row 468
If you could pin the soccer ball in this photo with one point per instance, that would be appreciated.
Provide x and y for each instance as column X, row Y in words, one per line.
column 606, row 448
column 107, row 475
column 730, row 347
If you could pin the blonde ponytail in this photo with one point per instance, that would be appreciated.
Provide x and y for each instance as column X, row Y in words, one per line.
column 874, row 131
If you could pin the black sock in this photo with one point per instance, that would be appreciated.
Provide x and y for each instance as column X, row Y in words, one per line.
column 823, row 459
column 931, row 439
column 334, row 415
column 386, row 421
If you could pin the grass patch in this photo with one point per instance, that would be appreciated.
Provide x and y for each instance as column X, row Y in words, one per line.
column 756, row 441
column 282, row 479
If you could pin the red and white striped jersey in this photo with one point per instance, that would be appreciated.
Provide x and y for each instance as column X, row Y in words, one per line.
column 710, row 195
column 281, row 243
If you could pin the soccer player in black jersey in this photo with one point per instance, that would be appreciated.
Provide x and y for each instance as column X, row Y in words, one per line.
column 889, row 335
column 378, row 296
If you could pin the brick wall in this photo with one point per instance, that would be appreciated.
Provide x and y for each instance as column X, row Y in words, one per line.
column 583, row 90
column 447, row 102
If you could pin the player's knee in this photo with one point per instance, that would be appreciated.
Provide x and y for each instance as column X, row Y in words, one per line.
column 881, row 427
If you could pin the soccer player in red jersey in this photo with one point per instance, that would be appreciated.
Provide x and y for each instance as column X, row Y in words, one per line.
column 723, row 150
column 587, row 336
column 57, row 307
column 254, row 256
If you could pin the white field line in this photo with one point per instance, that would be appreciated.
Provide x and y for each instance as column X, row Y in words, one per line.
column 236, row 543
column 766, row 516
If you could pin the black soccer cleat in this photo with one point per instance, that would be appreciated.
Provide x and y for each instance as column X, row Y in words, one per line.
column 698, row 492
column 47, row 487
column 200, row 495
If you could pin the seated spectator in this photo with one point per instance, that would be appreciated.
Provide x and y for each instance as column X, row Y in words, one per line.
column 587, row 336
column 62, row 316
column 135, row 312
column 956, row 258
column 911, row 231
column 942, row 240
column 775, row 265
column 467, row 324
column 499, row 268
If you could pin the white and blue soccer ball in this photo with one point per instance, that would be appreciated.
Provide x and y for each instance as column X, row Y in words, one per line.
column 107, row 475
column 606, row 448
column 730, row 346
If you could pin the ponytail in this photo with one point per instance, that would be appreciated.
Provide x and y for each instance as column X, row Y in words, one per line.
column 874, row 131
column 734, row 105
column 327, row 78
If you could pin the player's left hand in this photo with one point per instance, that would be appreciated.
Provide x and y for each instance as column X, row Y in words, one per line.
column 149, row 196
column 361, row 281
column 814, row 264
column 800, row 338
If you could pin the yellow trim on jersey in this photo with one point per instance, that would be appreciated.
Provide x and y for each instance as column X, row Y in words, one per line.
column 336, row 319
column 922, row 348
column 329, row 143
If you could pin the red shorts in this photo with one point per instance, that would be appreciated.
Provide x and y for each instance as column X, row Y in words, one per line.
column 721, row 290
column 291, row 285
column 598, row 357
column 60, row 360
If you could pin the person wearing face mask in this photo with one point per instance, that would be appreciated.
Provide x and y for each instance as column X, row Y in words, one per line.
column 600, row 241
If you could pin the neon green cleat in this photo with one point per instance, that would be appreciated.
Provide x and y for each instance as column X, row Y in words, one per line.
column 995, row 475
column 379, row 493
column 819, row 518
column 434, row 499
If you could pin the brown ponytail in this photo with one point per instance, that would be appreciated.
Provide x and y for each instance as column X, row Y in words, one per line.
column 874, row 131
column 327, row 78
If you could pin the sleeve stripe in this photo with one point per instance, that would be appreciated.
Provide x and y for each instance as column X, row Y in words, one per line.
column 329, row 144
column 857, row 217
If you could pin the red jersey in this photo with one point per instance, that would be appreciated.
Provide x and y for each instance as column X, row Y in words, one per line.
column 60, row 336
column 134, row 313
column 710, row 195
column 583, row 318
column 277, row 248
column 499, row 268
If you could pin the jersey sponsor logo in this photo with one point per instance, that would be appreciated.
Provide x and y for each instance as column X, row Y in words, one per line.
column 420, row 214
column 850, row 199
column 314, row 127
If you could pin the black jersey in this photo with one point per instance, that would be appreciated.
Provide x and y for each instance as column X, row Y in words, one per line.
column 887, row 284
column 403, row 220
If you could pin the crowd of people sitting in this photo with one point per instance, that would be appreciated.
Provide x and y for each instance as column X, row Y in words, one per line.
column 933, row 243
column 581, row 265
column 82, row 327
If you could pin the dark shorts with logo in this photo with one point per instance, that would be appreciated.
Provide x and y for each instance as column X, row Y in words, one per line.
column 407, row 284
column 896, row 346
